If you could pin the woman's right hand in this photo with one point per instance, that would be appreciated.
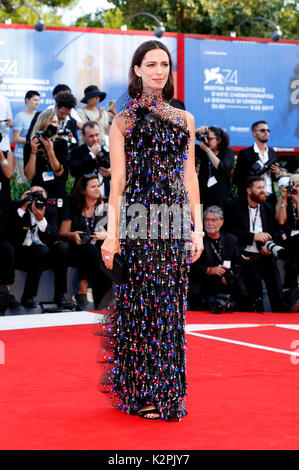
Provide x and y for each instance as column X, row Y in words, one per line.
column 34, row 144
column 76, row 237
column 108, row 249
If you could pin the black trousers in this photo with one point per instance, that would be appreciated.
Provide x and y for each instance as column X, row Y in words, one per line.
column 86, row 258
column 264, row 268
column 7, row 264
column 35, row 259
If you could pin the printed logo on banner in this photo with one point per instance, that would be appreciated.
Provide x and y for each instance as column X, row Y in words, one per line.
column 295, row 94
column 220, row 76
column 8, row 67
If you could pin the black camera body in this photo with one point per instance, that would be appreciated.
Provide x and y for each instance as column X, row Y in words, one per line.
column 258, row 168
column 220, row 303
column 230, row 277
column 202, row 137
column 85, row 238
column 103, row 159
column 37, row 197
column 290, row 188
column 47, row 133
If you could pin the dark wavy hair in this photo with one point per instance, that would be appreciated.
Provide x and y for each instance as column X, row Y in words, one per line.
column 222, row 136
column 77, row 200
column 133, row 88
column 65, row 100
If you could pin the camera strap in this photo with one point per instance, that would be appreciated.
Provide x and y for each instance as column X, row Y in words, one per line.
column 218, row 252
column 89, row 222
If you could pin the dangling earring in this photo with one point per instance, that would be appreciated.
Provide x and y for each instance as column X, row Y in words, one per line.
column 139, row 83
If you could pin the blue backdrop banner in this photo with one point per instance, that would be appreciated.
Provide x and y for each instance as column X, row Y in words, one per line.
column 231, row 84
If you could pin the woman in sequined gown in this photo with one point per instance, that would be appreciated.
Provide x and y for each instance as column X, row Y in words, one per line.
column 153, row 177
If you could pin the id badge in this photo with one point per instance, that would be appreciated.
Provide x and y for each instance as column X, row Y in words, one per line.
column 211, row 181
column 48, row 175
column 227, row 264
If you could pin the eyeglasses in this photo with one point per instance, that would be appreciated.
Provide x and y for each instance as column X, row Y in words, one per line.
column 263, row 130
column 211, row 138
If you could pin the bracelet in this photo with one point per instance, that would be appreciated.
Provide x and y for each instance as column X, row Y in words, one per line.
column 199, row 233
column 4, row 163
column 209, row 271
column 60, row 168
column 33, row 153
column 209, row 151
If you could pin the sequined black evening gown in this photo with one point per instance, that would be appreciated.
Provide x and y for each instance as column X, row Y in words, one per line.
column 144, row 339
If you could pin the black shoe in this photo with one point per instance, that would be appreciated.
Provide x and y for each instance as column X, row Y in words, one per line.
column 61, row 302
column 81, row 300
column 12, row 302
column 28, row 303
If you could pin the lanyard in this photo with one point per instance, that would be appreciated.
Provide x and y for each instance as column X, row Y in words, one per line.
column 89, row 224
column 255, row 217
column 218, row 252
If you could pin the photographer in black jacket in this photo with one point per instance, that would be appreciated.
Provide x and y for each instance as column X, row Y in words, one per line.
column 258, row 160
column 34, row 234
column 216, row 160
column 91, row 157
column 214, row 278
column 251, row 220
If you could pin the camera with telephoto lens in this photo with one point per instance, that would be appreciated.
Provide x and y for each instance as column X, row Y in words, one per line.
column 290, row 188
column 37, row 197
column 46, row 134
column 103, row 159
column 220, row 303
column 259, row 168
column 276, row 250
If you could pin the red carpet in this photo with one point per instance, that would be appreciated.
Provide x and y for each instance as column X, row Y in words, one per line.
column 239, row 397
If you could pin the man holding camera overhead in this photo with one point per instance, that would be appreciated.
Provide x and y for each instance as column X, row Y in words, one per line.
column 34, row 234
column 258, row 160
column 91, row 157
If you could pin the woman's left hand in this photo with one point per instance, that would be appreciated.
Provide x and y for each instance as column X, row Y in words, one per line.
column 98, row 236
column 196, row 247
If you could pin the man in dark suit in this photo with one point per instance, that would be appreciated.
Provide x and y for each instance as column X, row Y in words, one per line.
column 91, row 157
column 257, row 160
column 216, row 271
column 34, row 234
column 251, row 219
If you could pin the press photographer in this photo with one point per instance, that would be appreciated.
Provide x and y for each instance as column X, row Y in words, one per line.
column 92, row 157
column 258, row 160
column 251, row 221
column 82, row 229
column 214, row 278
column 287, row 216
column 34, row 234
column 46, row 157
column 216, row 162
